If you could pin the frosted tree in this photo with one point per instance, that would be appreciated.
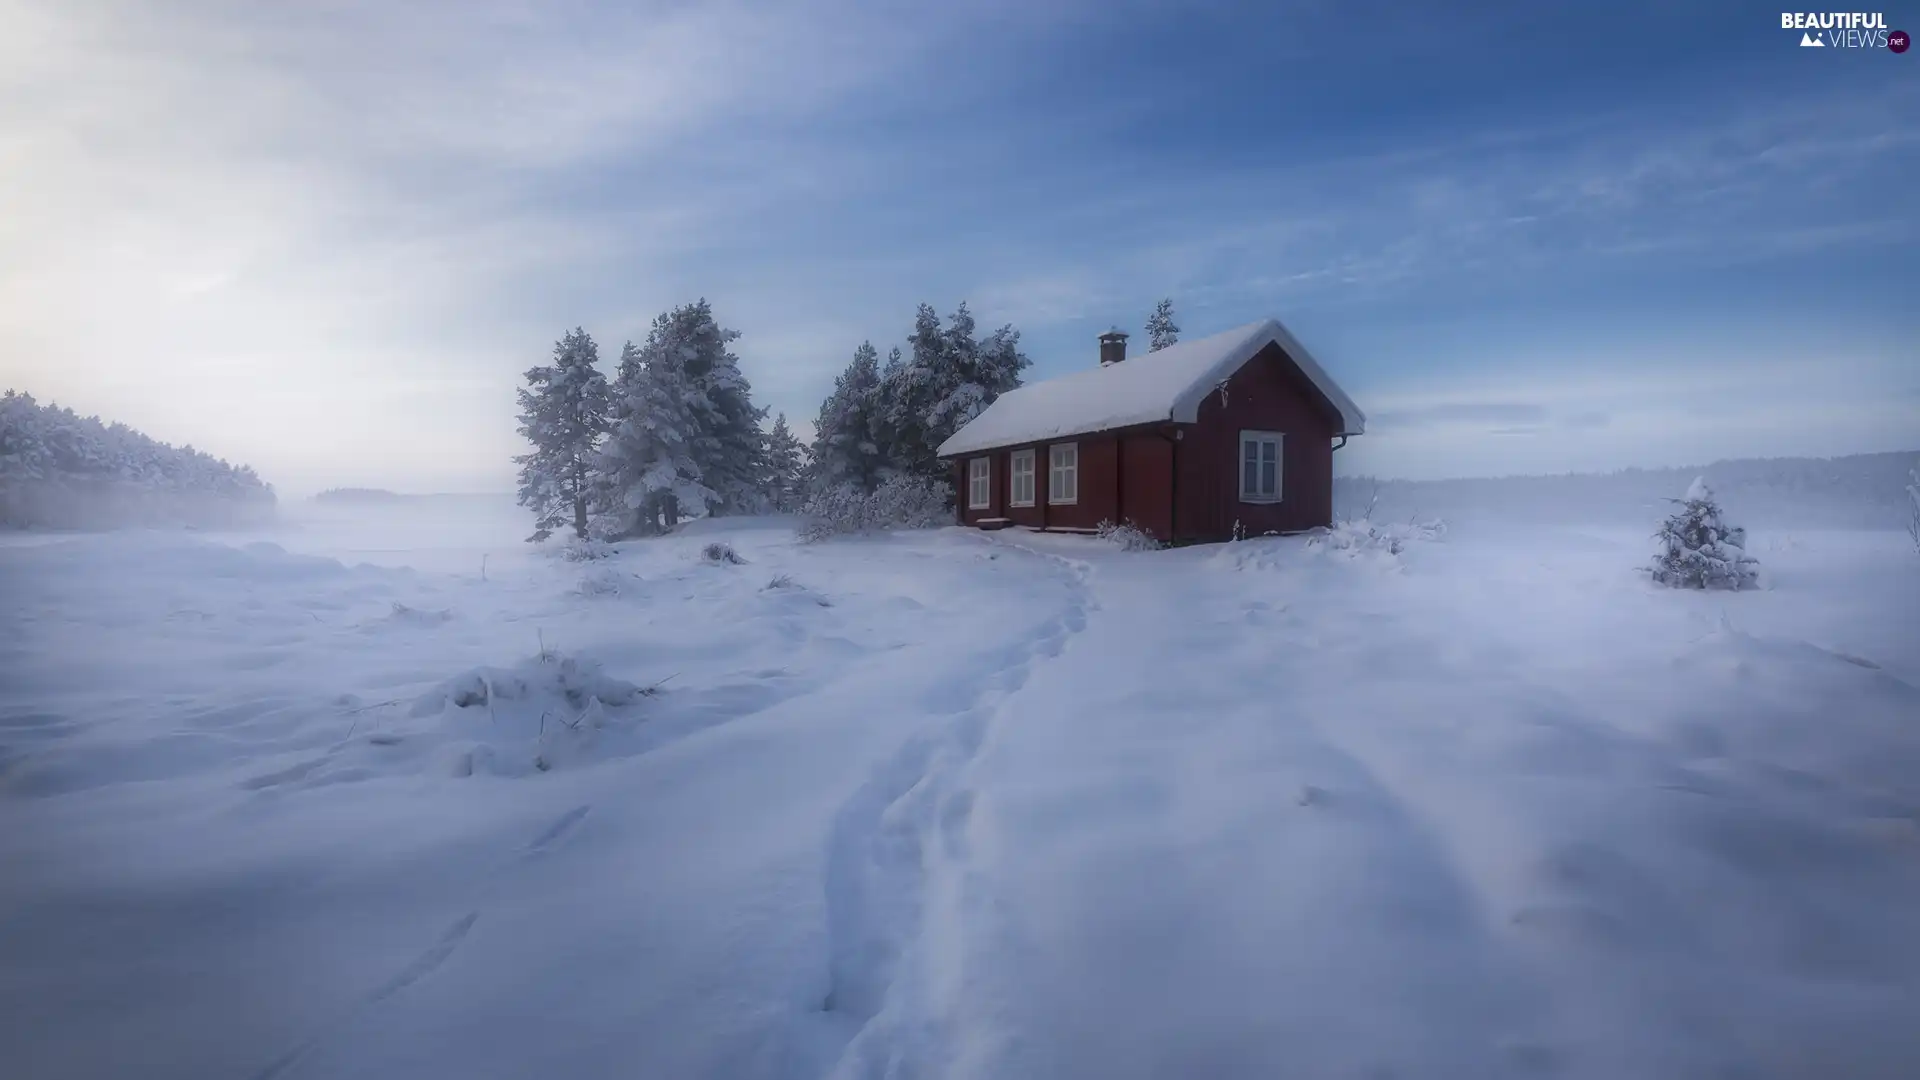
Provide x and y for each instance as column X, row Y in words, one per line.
column 783, row 458
column 62, row 470
column 1161, row 331
column 947, row 379
column 1698, row 550
column 563, row 413
column 848, row 436
column 727, row 442
column 908, row 392
column 646, row 470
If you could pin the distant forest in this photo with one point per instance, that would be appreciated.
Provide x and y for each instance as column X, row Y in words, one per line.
column 359, row 495
column 60, row 470
column 1859, row 491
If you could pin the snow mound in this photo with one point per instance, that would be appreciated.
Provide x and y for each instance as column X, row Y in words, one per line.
column 605, row 581
column 546, row 712
column 1763, row 692
column 403, row 615
column 1358, row 539
column 577, row 549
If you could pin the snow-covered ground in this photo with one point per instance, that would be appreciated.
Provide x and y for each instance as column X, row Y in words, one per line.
column 345, row 800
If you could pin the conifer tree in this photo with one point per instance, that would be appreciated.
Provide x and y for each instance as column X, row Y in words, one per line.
column 848, row 436
column 1698, row 550
column 727, row 442
column 949, row 378
column 783, row 457
column 646, row 470
column 563, row 413
column 1161, row 331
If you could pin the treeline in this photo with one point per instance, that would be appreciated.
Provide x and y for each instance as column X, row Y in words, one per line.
column 1857, row 491
column 675, row 432
column 62, row 470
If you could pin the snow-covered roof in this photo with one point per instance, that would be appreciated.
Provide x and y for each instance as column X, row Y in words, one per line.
column 1157, row 386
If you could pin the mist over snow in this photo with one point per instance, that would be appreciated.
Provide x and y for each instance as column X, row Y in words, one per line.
column 382, row 790
column 485, row 604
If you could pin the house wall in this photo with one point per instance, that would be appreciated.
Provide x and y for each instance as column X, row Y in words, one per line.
column 1146, row 482
column 1096, row 499
column 1268, row 394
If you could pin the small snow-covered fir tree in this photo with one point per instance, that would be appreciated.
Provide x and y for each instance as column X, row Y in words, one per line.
column 782, row 456
column 646, row 471
column 1161, row 331
column 563, row 413
column 1698, row 550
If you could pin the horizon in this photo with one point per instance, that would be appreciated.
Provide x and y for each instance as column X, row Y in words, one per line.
column 507, row 493
column 296, row 242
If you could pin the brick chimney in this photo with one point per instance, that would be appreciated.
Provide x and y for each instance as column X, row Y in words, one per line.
column 1113, row 347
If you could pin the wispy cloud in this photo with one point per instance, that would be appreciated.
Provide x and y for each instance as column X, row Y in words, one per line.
column 283, row 230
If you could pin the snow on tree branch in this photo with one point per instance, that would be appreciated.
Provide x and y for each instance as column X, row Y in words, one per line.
column 1698, row 550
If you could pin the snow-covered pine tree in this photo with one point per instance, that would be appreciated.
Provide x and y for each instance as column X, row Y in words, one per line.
column 910, row 393
column 976, row 372
column 1698, row 550
column 783, row 458
column 848, row 436
column 728, row 443
column 563, row 413
column 63, row 470
column 949, row 379
column 645, row 471
column 890, row 414
column 1161, row 331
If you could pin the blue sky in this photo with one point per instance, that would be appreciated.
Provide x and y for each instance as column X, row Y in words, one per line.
column 327, row 238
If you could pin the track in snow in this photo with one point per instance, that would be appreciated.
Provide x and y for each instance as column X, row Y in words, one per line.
column 898, row 853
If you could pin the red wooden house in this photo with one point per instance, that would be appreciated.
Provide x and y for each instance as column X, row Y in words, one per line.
column 1191, row 443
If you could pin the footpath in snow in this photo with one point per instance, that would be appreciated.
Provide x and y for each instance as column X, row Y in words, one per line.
column 337, row 801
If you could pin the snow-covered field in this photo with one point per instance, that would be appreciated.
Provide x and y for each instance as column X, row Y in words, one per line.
column 343, row 800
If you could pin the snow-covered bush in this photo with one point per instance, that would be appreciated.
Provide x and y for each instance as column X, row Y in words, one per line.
column 782, row 581
column 901, row 502
column 718, row 552
column 1127, row 536
column 1698, row 550
column 545, row 712
column 602, row 581
column 587, row 549
column 1362, row 536
column 62, row 470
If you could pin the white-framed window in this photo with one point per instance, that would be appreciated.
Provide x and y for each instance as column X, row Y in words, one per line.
column 979, row 483
column 1020, row 478
column 1260, row 458
column 1063, row 473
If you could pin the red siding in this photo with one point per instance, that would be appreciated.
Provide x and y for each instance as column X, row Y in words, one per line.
column 1268, row 394
column 1147, row 483
column 1095, row 500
